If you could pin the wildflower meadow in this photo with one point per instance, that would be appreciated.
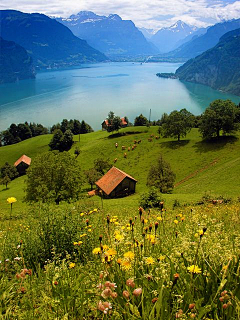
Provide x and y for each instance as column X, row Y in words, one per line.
column 76, row 262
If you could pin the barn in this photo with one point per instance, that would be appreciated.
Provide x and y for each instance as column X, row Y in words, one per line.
column 116, row 184
column 22, row 164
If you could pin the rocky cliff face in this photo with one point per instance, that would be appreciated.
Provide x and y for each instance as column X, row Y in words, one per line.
column 47, row 41
column 218, row 67
column 15, row 63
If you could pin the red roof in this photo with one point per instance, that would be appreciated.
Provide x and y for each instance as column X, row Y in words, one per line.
column 24, row 159
column 112, row 179
column 123, row 122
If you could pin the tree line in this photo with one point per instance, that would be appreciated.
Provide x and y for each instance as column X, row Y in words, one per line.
column 22, row 131
column 220, row 118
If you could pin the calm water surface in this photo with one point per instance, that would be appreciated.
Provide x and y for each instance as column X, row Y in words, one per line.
column 91, row 92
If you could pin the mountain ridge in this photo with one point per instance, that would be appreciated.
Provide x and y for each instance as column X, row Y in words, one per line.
column 47, row 41
column 15, row 62
column 110, row 34
column 218, row 67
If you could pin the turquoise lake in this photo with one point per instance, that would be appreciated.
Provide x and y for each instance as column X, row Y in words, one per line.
column 90, row 92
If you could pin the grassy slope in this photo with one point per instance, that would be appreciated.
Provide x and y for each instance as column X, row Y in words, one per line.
column 220, row 160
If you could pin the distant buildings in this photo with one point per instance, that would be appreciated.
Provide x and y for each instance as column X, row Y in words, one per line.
column 105, row 123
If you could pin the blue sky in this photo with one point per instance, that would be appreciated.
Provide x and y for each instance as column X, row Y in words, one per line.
column 144, row 13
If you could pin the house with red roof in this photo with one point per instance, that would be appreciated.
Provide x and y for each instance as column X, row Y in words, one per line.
column 22, row 164
column 116, row 183
column 105, row 123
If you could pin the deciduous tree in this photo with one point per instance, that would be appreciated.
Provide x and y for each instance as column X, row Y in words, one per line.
column 177, row 124
column 53, row 176
column 220, row 116
column 141, row 121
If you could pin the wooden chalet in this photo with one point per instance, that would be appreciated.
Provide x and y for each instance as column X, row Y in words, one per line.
column 116, row 183
column 105, row 124
column 22, row 164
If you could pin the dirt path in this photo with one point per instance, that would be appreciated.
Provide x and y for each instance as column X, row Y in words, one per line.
column 196, row 172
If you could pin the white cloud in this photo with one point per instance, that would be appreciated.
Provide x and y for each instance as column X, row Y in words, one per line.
column 144, row 13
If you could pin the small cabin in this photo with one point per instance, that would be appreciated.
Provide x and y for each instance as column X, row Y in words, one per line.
column 105, row 124
column 116, row 184
column 22, row 164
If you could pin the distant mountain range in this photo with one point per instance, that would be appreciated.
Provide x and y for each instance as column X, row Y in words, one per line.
column 218, row 67
column 15, row 63
column 110, row 35
column 48, row 42
column 167, row 39
column 199, row 44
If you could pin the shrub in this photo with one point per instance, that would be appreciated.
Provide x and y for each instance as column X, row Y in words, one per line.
column 150, row 199
column 161, row 176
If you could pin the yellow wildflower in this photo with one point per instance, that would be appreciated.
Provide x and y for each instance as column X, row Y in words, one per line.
column 150, row 260
column 96, row 250
column 82, row 214
column 159, row 218
column 95, row 210
column 126, row 265
column 89, row 230
column 83, row 235
column 161, row 258
column 72, row 265
column 11, row 200
column 75, row 243
column 175, row 221
column 129, row 255
column 80, row 242
column 119, row 237
column 194, row 269
column 111, row 252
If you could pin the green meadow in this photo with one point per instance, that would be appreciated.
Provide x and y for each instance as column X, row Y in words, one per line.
column 201, row 167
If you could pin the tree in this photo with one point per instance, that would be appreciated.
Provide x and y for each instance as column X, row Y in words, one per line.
column 55, row 143
column 220, row 116
column 177, row 124
column 24, row 131
column 141, row 121
column 9, row 170
column 101, row 165
column 53, row 176
column 85, row 128
column 161, row 176
column 76, row 127
column 67, row 141
column 5, row 181
column 60, row 141
column 114, row 122
column 92, row 176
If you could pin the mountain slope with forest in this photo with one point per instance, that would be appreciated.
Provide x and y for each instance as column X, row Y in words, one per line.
column 218, row 67
column 47, row 41
column 15, row 63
